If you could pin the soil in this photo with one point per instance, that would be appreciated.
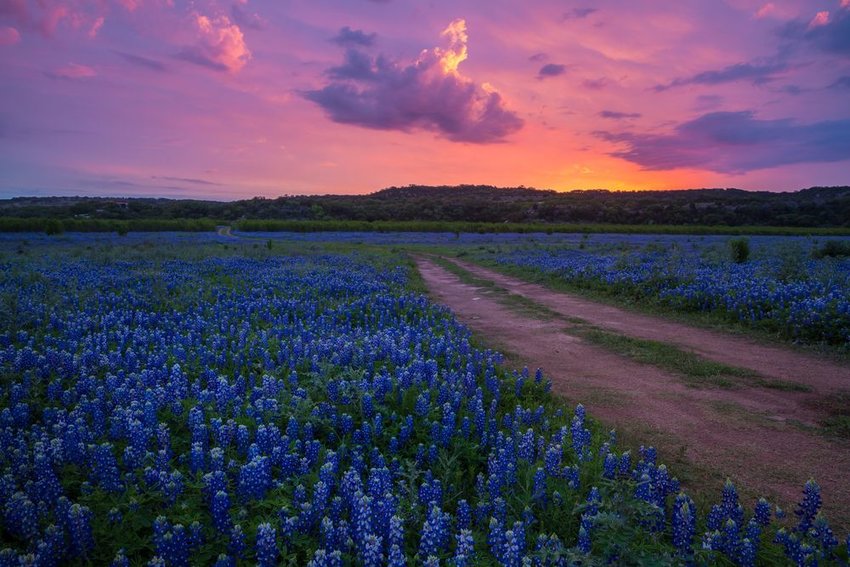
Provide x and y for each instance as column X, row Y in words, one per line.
column 760, row 438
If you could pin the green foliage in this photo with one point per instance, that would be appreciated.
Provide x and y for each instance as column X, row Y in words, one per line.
column 257, row 225
column 53, row 226
column 832, row 249
column 58, row 226
column 728, row 208
column 739, row 249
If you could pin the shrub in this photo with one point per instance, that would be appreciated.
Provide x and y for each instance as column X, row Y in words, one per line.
column 832, row 249
column 739, row 249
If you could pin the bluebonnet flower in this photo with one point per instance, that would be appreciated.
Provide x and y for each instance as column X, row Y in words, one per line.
column 120, row 560
column 464, row 549
column 747, row 557
column 496, row 538
column 105, row 468
column 173, row 546
column 434, row 533
column 255, row 478
column 236, row 546
column 221, row 512
column 822, row 533
column 553, row 461
column 463, row 515
column 396, row 532
column 372, row 556
column 21, row 517
column 609, row 467
column 584, row 542
column 808, row 507
column 267, row 552
column 80, row 534
column 762, row 512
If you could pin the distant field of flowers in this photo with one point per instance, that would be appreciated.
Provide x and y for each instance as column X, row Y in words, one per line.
column 787, row 285
column 188, row 405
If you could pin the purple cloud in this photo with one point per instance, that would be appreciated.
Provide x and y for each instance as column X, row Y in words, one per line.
column 828, row 32
column 348, row 37
column 841, row 83
column 144, row 62
column 243, row 17
column 735, row 142
column 428, row 94
column 595, row 84
column 551, row 70
column 614, row 115
column 578, row 13
column 758, row 73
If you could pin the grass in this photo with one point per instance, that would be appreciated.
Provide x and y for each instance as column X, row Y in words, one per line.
column 836, row 407
column 695, row 369
column 457, row 227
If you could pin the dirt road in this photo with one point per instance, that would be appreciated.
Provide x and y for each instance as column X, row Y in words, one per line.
column 748, row 434
column 770, row 361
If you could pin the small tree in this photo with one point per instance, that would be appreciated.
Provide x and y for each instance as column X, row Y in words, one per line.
column 739, row 249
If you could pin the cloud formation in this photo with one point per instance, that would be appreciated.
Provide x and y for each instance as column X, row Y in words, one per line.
column 430, row 94
column 72, row 72
column 245, row 18
column 765, row 11
column 841, row 82
column 735, row 142
column 9, row 36
column 578, row 13
column 551, row 70
column 45, row 17
column 220, row 45
column 614, row 115
column 757, row 73
column 144, row 62
column 828, row 32
column 348, row 37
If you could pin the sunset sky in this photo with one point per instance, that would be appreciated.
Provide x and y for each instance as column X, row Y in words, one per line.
column 226, row 99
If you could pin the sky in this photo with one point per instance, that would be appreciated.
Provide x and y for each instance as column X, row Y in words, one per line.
column 230, row 99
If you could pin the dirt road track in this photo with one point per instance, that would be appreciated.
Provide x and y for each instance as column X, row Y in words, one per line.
column 770, row 361
column 745, row 433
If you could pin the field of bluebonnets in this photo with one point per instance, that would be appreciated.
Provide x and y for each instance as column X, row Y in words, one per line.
column 797, row 288
column 180, row 400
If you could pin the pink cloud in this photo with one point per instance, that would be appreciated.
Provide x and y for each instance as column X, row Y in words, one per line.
column 820, row 19
column 766, row 10
column 845, row 3
column 130, row 5
column 9, row 36
column 220, row 45
column 429, row 94
column 95, row 27
column 73, row 72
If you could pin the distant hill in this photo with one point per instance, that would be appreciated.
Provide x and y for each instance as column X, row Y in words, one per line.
column 813, row 207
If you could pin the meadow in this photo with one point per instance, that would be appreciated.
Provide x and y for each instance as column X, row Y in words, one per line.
column 178, row 399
